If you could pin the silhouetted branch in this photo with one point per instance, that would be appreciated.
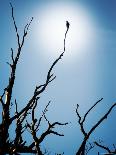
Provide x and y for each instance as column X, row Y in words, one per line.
column 40, row 89
column 106, row 148
column 6, row 121
column 15, row 25
column 34, row 127
column 18, row 139
column 12, row 55
column 90, row 110
column 43, row 115
column 103, row 147
column 48, row 131
column 18, row 145
column 102, row 119
column 81, row 121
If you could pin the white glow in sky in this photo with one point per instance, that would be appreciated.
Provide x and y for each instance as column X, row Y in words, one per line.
column 52, row 28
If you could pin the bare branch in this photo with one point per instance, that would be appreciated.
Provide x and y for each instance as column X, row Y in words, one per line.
column 18, row 39
column 80, row 123
column 103, row 147
column 16, row 106
column 78, row 114
column 6, row 120
column 12, row 55
column 38, row 91
column 102, row 119
column 9, row 64
column 33, row 112
column 48, row 131
column 56, row 133
column 18, row 145
column 91, row 109
column 43, row 115
column 82, row 148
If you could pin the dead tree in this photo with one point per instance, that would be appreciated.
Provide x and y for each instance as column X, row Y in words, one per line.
column 84, row 149
column 19, row 145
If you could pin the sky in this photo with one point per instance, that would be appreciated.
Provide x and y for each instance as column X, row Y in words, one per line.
column 85, row 74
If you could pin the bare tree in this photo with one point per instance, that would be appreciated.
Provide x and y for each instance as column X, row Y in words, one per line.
column 84, row 148
column 18, row 144
column 20, row 118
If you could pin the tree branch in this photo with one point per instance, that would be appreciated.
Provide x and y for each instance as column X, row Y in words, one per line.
column 103, row 147
column 40, row 89
column 47, row 132
column 82, row 148
column 102, row 119
column 80, row 123
column 90, row 110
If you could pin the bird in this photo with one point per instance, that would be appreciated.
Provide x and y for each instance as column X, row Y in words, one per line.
column 67, row 25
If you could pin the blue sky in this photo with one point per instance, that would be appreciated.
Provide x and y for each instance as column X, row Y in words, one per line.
column 84, row 78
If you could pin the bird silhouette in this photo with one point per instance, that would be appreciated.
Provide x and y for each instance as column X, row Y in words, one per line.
column 67, row 25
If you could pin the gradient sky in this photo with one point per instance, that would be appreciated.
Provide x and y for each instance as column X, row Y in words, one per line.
column 87, row 75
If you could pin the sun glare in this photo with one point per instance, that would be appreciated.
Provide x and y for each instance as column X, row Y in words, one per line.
column 53, row 26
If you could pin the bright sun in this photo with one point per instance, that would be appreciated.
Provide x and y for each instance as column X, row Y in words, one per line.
column 53, row 26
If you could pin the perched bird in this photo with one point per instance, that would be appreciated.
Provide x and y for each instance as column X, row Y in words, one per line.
column 67, row 24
